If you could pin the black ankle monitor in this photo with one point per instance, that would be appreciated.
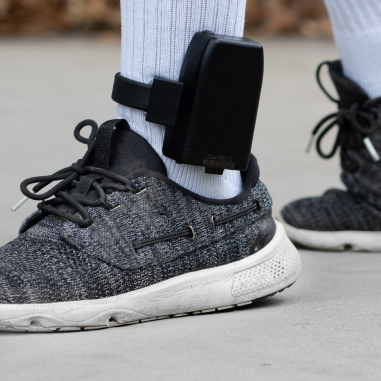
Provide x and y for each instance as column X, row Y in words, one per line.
column 210, row 112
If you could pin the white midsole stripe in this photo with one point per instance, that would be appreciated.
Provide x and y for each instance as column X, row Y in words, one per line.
column 234, row 283
column 335, row 240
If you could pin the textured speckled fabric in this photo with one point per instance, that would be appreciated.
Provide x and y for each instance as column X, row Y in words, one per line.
column 335, row 210
column 56, row 260
column 359, row 208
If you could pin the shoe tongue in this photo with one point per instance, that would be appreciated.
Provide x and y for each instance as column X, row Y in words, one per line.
column 121, row 151
column 349, row 92
column 124, row 152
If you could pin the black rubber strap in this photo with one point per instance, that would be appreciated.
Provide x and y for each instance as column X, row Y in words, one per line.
column 131, row 93
column 161, row 99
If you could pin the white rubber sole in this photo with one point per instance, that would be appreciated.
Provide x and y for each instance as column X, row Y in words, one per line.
column 264, row 273
column 336, row 241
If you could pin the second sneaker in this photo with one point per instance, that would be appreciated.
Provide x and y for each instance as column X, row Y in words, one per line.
column 351, row 219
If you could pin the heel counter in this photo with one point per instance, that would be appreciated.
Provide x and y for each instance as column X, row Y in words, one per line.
column 266, row 231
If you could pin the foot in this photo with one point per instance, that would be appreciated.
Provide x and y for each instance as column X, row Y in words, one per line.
column 120, row 243
column 345, row 220
column 334, row 221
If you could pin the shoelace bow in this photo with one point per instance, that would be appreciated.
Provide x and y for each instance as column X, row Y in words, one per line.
column 70, row 176
column 371, row 121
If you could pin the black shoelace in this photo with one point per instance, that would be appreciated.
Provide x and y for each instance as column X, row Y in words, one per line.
column 362, row 121
column 74, row 176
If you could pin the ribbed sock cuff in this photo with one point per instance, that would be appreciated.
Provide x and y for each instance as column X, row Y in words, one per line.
column 357, row 32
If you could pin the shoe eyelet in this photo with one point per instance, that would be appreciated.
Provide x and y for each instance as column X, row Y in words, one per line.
column 115, row 207
column 214, row 226
column 193, row 233
column 259, row 207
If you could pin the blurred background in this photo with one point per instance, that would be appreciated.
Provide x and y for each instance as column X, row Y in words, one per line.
column 37, row 17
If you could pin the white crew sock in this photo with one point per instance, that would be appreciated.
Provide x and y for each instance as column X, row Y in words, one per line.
column 357, row 31
column 155, row 37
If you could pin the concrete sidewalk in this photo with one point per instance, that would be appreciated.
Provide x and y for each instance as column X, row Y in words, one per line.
column 326, row 327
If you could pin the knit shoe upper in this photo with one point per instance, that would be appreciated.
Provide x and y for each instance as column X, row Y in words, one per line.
column 359, row 139
column 335, row 210
column 120, row 225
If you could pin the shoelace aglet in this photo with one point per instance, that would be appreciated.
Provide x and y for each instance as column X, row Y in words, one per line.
column 310, row 144
column 20, row 203
column 372, row 151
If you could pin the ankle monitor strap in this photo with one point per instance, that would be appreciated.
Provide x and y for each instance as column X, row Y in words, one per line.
column 211, row 110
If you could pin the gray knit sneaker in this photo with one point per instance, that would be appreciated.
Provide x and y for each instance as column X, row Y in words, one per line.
column 341, row 220
column 120, row 243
